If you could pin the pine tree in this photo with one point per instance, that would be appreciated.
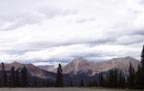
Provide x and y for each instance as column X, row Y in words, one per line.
column 24, row 77
column 115, row 78
column 121, row 80
column 101, row 80
column 71, row 84
column 131, row 77
column 35, row 82
column 17, row 78
column 112, row 80
column 142, row 59
column 107, row 80
column 59, row 77
column 82, row 83
column 44, row 83
column 0, row 79
column 140, row 73
column 4, row 76
column 12, row 77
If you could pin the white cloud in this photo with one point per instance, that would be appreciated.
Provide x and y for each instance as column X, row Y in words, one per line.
column 98, row 53
column 95, row 29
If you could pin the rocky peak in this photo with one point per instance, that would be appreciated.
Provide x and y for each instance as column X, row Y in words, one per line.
column 78, row 60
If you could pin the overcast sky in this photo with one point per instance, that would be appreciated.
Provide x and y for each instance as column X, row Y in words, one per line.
column 49, row 31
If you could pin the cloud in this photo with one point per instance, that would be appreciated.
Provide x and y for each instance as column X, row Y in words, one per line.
column 85, row 20
column 14, row 16
column 51, row 12
column 67, row 53
column 95, row 29
column 139, row 32
column 20, row 22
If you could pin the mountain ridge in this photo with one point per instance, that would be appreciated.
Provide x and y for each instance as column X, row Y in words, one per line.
column 81, row 65
column 32, row 69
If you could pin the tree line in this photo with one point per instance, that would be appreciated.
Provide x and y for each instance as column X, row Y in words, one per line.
column 13, row 78
column 21, row 78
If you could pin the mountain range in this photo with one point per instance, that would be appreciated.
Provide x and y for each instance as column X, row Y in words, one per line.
column 77, row 66
column 80, row 65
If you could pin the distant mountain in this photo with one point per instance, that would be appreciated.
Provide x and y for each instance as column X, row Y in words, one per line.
column 32, row 70
column 81, row 65
column 50, row 68
column 77, row 69
column 77, row 65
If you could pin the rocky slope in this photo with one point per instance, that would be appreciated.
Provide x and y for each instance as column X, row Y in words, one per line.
column 50, row 68
column 80, row 65
column 33, row 70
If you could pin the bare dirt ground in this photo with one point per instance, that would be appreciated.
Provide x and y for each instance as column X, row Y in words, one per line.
column 55, row 89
